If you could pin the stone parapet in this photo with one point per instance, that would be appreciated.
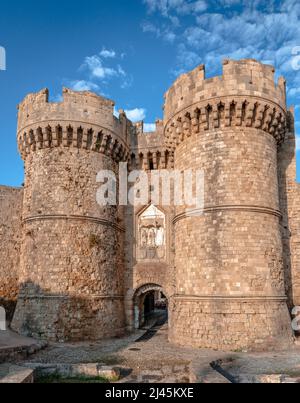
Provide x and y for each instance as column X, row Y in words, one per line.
column 82, row 120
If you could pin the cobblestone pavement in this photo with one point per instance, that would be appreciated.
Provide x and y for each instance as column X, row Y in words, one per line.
column 277, row 363
column 145, row 356
column 148, row 357
column 9, row 339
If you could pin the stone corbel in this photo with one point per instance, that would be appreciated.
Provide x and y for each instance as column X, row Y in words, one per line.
column 259, row 116
column 216, row 116
column 204, row 118
column 84, row 139
column 228, row 115
column 195, row 123
column 65, row 136
column 186, row 127
column 250, row 114
column 268, row 119
column 239, row 114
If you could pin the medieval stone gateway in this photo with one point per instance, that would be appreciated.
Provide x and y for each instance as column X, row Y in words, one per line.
column 74, row 270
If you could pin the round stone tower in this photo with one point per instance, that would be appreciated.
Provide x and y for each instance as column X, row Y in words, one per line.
column 71, row 274
column 230, row 291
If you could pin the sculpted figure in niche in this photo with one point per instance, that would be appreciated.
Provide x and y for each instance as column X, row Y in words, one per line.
column 151, row 232
column 152, row 238
column 144, row 237
column 160, row 236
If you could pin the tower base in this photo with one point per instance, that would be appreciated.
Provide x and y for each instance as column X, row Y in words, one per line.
column 64, row 319
column 231, row 324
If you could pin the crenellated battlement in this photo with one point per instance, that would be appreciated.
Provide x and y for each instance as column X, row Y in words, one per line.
column 245, row 77
column 149, row 150
column 245, row 95
column 83, row 105
column 86, row 268
column 81, row 120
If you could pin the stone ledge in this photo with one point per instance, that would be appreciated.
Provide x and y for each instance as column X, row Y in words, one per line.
column 20, row 352
column 74, row 370
column 15, row 374
column 199, row 373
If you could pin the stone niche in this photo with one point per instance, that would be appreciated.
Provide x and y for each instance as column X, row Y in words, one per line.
column 151, row 235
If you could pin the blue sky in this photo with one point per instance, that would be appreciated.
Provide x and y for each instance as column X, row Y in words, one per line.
column 132, row 50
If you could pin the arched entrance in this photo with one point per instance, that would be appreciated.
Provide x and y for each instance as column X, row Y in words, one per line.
column 150, row 303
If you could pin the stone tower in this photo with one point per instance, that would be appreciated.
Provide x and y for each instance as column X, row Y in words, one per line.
column 71, row 270
column 230, row 291
column 226, row 270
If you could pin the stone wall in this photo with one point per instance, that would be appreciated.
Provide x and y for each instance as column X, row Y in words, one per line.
column 230, row 257
column 140, row 273
column 72, row 259
column 10, row 230
column 149, row 150
column 227, row 271
column 239, row 78
column 290, row 207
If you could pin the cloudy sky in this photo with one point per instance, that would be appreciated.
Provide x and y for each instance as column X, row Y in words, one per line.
column 132, row 50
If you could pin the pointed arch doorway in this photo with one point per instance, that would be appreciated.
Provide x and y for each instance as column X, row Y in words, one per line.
column 150, row 304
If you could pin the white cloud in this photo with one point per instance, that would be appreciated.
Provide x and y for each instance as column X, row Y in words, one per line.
column 136, row 115
column 293, row 92
column 108, row 53
column 116, row 113
column 291, row 6
column 82, row 85
column 100, row 72
column 126, row 82
column 149, row 27
column 186, row 58
column 181, row 7
column 207, row 32
column 121, row 71
column 165, row 33
column 149, row 127
column 297, row 143
column 97, row 69
column 169, row 36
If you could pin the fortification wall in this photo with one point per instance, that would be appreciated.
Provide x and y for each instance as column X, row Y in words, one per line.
column 229, row 257
column 78, row 108
column 149, row 150
column 146, row 268
column 10, row 241
column 72, row 262
column 243, row 77
column 290, row 207
column 227, row 271
column 149, row 267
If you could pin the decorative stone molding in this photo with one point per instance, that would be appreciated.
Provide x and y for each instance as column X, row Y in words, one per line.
column 96, row 220
column 243, row 298
column 161, row 158
column 69, row 134
column 223, row 112
column 251, row 209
